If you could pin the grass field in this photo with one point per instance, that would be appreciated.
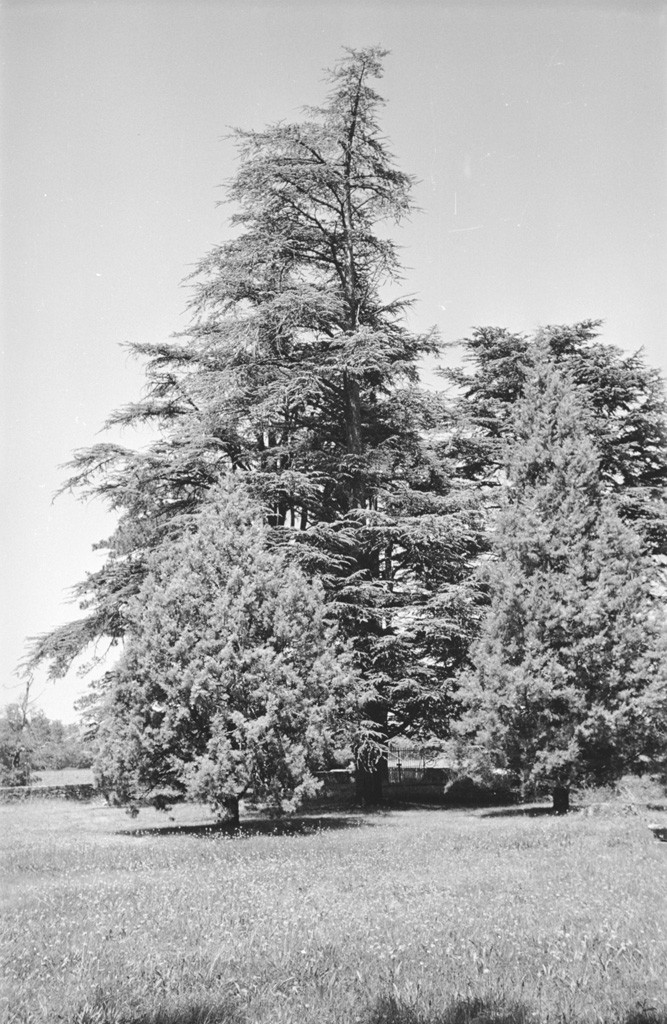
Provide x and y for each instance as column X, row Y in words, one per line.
column 62, row 777
column 406, row 917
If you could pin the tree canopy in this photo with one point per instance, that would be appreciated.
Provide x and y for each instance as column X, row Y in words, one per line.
column 625, row 398
column 565, row 684
column 232, row 680
column 298, row 372
column 298, row 369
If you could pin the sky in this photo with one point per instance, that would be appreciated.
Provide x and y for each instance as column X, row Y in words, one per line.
column 537, row 132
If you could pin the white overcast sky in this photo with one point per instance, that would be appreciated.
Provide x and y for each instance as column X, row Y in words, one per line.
column 537, row 131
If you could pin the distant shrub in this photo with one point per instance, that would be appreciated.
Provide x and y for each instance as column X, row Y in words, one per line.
column 467, row 792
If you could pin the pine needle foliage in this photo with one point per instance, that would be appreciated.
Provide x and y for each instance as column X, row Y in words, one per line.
column 565, row 685
column 233, row 681
column 625, row 398
column 298, row 369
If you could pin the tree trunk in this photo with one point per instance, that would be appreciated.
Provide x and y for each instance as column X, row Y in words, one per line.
column 369, row 781
column 561, row 799
column 352, row 414
column 231, row 819
column 370, row 777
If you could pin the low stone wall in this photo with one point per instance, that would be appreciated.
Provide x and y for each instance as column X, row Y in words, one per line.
column 15, row 794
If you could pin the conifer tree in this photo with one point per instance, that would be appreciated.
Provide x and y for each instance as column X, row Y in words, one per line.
column 298, row 368
column 625, row 398
column 232, row 680
column 565, row 685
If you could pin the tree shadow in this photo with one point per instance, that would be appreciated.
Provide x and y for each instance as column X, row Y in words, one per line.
column 196, row 1013
column 457, row 1011
column 303, row 825
column 645, row 1015
column 529, row 811
column 450, row 807
column 388, row 1010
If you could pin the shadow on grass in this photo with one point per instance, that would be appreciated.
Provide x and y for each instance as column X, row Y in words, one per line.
column 196, row 1013
column 645, row 1016
column 458, row 1011
column 386, row 1010
column 484, row 1011
column 299, row 826
column 525, row 811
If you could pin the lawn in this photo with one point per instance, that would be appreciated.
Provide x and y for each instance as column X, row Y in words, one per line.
column 62, row 777
column 404, row 917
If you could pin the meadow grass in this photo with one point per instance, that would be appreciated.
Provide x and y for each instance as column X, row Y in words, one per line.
column 403, row 917
column 62, row 777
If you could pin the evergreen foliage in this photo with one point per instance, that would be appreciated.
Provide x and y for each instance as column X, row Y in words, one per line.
column 298, row 369
column 566, row 685
column 627, row 417
column 232, row 680
column 299, row 373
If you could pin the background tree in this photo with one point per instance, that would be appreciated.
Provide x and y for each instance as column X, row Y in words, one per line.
column 54, row 746
column 627, row 414
column 15, row 764
column 299, row 370
column 232, row 680
column 30, row 742
column 565, row 685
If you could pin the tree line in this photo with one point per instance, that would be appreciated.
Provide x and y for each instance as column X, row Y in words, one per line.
column 317, row 554
column 30, row 742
